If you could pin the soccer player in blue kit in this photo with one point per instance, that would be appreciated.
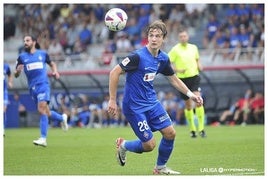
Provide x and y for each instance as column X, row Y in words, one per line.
column 8, row 83
column 141, row 107
column 33, row 61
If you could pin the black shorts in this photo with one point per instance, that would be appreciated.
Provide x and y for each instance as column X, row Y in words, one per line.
column 193, row 83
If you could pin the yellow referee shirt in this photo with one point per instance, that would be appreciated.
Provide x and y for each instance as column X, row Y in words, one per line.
column 185, row 57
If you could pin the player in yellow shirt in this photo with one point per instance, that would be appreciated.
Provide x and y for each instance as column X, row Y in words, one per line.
column 184, row 57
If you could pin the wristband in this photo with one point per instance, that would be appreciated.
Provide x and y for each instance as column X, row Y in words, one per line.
column 190, row 94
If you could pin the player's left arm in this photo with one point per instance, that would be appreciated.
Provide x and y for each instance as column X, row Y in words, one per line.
column 53, row 67
column 199, row 65
column 197, row 57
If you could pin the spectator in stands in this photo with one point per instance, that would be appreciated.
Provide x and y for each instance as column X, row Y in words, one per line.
column 219, row 40
column 95, row 120
column 85, row 36
column 144, row 40
column 185, row 60
column 62, row 37
column 64, row 107
column 243, row 108
column 170, row 105
column 55, row 51
column 177, row 13
column 257, row 108
column 261, row 42
column 211, row 29
column 153, row 15
column 172, row 37
column 132, row 28
column 234, row 43
column 194, row 13
column 246, row 40
column 84, row 116
column 143, row 18
column 78, row 47
column 72, row 36
column 174, row 106
column 65, row 11
column 83, row 112
column 21, row 109
column 107, row 118
column 238, row 112
column 231, row 12
column 8, row 83
column 108, row 53
column 123, row 44
column 99, row 12
column 256, row 27
column 74, row 116
column 226, row 116
column 80, row 112
column 243, row 10
column 9, row 27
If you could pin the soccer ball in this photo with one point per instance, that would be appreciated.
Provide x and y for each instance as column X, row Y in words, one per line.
column 116, row 19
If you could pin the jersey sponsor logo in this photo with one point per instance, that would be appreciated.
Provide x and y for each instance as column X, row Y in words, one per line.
column 34, row 66
column 41, row 96
column 164, row 117
column 125, row 61
column 149, row 77
column 146, row 135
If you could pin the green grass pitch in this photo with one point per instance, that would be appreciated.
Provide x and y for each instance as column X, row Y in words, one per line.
column 228, row 150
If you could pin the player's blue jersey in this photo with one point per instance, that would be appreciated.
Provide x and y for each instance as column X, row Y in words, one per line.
column 7, row 72
column 35, row 66
column 141, row 68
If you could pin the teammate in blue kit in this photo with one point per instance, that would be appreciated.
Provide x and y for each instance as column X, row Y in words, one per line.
column 33, row 61
column 141, row 107
column 8, row 83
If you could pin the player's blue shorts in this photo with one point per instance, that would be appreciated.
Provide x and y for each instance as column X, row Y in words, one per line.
column 40, row 92
column 144, row 124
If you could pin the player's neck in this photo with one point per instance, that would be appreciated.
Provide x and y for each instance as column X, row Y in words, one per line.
column 154, row 52
column 32, row 50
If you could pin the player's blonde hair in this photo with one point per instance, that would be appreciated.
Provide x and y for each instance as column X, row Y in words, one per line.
column 158, row 24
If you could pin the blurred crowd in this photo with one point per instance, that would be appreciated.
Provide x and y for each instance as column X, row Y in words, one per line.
column 67, row 29
column 249, row 109
column 86, row 112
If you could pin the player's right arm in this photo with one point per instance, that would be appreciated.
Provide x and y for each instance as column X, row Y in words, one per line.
column 113, row 85
column 19, row 68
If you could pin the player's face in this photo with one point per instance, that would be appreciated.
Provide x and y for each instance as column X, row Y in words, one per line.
column 183, row 37
column 155, row 39
column 28, row 43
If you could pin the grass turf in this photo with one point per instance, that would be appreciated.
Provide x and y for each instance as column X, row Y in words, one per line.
column 228, row 150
